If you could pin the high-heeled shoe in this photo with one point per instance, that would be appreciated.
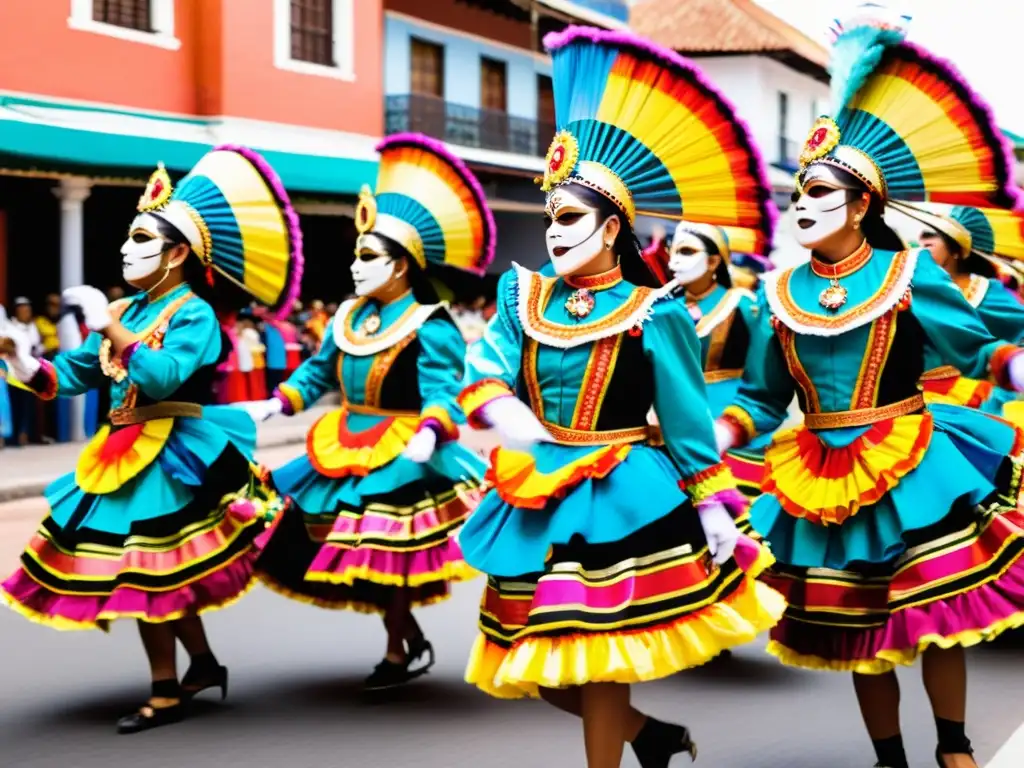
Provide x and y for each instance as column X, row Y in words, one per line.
column 148, row 717
column 657, row 742
column 198, row 679
column 392, row 674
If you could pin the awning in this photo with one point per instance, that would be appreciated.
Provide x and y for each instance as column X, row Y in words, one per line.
column 55, row 136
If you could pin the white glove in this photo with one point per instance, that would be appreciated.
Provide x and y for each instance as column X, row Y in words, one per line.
column 94, row 305
column 261, row 410
column 725, row 438
column 517, row 426
column 22, row 364
column 421, row 447
column 1016, row 372
column 719, row 529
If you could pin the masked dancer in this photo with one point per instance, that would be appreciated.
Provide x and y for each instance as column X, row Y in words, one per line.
column 610, row 545
column 164, row 514
column 895, row 523
column 384, row 485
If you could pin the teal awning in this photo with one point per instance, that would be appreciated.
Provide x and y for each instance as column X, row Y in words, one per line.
column 53, row 146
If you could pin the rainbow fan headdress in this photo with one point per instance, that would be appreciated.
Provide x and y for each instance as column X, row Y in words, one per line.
column 906, row 123
column 987, row 232
column 238, row 219
column 430, row 203
column 642, row 126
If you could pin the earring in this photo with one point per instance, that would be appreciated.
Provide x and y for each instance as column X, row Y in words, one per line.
column 856, row 222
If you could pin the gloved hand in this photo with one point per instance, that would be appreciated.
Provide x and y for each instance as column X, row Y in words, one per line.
column 421, row 447
column 261, row 410
column 515, row 423
column 1016, row 372
column 725, row 438
column 20, row 361
column 94, row 305
column 719, row 529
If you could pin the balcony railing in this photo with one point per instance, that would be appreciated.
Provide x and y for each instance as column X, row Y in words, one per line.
column 467, row 126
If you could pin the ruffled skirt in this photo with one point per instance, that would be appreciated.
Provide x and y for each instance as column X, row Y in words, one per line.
column 171, row 527
column 627, row 598
column 907, row 537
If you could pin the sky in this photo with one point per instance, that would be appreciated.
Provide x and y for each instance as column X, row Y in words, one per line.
column 984, row 38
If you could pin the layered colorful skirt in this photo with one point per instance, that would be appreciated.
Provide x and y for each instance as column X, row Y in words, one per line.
column 946, row 385
column 598, row 571
column 364, row 521
column 894, row 538
column 159, row 521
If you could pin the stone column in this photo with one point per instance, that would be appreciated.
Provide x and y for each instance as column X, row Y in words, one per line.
column 72, row 193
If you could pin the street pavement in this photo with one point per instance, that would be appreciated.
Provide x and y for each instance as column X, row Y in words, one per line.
column 295, row 697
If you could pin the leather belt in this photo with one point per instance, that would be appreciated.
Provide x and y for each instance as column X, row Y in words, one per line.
column 862, row 417
column 126, row 417
column 941, row 373
column 569, row 436
column 722, row 374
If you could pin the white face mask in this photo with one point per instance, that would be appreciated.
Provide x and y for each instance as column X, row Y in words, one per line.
column 141, row 254
column 688, row 260
column 372, row 269
column 574, row 235
column 821, row 210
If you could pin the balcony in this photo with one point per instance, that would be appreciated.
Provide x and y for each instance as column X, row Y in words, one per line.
column 467, row 126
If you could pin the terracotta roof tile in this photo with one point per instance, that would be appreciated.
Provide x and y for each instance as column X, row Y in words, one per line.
column 721, row 26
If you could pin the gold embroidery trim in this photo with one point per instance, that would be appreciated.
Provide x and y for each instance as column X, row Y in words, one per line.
column 380, row 367
column 863, row 417
column 881, row 296
column 152, row 336
column 940, row 373
column 787, row 340
column 881, row 335
column 718, row 339
column 531, row 351
column 369, row 410
column 570, row 436
column 722, row 374
column 356, row 339
column 539, row 294
column 596, row 380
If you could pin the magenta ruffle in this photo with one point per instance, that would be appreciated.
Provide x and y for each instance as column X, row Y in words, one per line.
column 438, row 148
column 442, row 562
column 962, row 620
column 296, row 264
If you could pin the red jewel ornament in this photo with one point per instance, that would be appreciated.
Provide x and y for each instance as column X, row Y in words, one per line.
column 557, row 158
column 580, row 303
column 817, row 138
column 636, row 330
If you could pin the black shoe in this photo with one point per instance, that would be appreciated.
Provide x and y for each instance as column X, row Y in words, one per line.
column 149, row 717
column 418, row 647
column 197, row 680
column 657, row 742
column 964, row 750
column 391, row 674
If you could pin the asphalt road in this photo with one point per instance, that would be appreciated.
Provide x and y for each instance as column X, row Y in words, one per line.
column 295, row 698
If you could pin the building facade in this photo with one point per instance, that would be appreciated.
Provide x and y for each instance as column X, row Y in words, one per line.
column 473, row 73
column 109, row 88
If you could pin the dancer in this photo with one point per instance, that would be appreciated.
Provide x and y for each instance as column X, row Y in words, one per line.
column 970, row 244
column 164, row 515
column 384, row 486
column 700, row 260
column 609, row 550
column 896, row 526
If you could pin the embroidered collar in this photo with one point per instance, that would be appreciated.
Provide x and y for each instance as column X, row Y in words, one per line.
column 693, row 298
column 597, row 282
column 974, row 289
column 352, row 341
column 535, row 292
column 722, row 311
column 843, row 267
column 893, row 287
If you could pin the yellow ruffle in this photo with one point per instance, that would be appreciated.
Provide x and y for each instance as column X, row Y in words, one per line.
column 1013, row 412
column 336, row 452
column 828, row 485
column 518, row 482
column 965, row 391
column 625, row 657
column 112, row 459
column 452, row 571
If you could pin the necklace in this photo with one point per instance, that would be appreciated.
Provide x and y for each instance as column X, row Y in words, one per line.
column 834, row 295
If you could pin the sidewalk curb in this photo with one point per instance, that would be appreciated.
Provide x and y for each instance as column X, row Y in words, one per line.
column 36, row 488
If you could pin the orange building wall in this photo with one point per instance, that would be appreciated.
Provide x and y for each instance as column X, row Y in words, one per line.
column 225, row 65
column 40, row 54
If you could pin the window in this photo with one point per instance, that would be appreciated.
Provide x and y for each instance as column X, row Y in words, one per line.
column 493, row 85
column 132, row 14
column 783, row 127
column 315, row 37
column 139, row 21
column 545, row 101
column 312, row 28
column 427, row 68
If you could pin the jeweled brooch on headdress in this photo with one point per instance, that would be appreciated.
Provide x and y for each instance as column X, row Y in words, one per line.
column 823, row 138
column 366, row 210
column 560, row 161
column 158, row 191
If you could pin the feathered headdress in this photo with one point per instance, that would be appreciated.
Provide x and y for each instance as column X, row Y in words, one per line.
column 906, row 123
column 642, row 126
column 430, row 203
column 238, row 220
column 988, row 232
